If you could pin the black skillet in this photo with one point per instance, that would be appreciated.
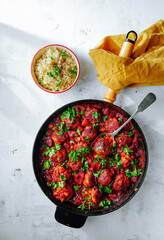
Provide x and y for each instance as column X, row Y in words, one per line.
column 66, row 213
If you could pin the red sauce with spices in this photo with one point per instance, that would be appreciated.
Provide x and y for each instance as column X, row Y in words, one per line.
column 91, row 177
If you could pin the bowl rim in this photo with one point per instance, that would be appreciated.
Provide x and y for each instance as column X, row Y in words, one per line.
column 62, row 46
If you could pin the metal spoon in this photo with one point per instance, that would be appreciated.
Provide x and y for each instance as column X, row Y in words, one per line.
column 146, row 102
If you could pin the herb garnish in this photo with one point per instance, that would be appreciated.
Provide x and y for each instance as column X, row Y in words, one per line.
column 104, row 203
column 56, row 70
column 126, row 149
column 74, row 72
column 64, row 54
column 47, row 164
column 105, row 118
column 96, row 114
column 57, row 82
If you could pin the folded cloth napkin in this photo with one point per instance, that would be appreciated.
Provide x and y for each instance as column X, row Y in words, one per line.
column 144, row 67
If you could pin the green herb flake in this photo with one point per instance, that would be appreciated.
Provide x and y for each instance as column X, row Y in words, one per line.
column 132, row 128
column 117, row 157
column 96, row 115
column 59, row 133
column 119, row 164
column 95, row 125
column 47, row 164
column 120, row 120
column 105, row 118
column 57, row 82
column 64, row 54
column 62, row 177
column 74, row 72
column 51, row 57
column 50, row 74
column 87, row 138
column 58, row 146
column 98, row 173
column 104, row 203
column 79, row 132
column 55, row 185
column 130, row 134
column 76, row 188
column 61, row 184
column 56, row 70
column 126, row 149
column 48, row 184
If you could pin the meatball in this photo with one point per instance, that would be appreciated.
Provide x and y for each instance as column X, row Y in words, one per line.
column 124, row 139
column 79, row 177
column 63, row 193
column 112, row 124
column 96, row 195
column 57, row 138
column 88, row 179
column 75, row 165
column 105, row 178
column 89, row 133
column 59, row 156
column 60, row 171
column 121, row 183
column 125, row 159
column 102, row 146
column 93, row 115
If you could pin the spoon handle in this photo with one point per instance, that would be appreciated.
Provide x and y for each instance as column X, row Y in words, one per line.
column 146, row 102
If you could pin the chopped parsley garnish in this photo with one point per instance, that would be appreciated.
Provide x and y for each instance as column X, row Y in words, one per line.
column 119, row 164
column 63, row 164
column 59, row 133
column 130, row 134
column 62, row 177
column 79, row 132
column 58, row 146
column 97, row 174
column 64, row 54
column 105, row 118
column 87, row 138
column 95, row 125
column 51, row 57
column 47, row 164
column 126, row 149
column 120, row 120
column 134, row 173
column 72, row 142
column 62, row 127
column 115, row 145
column 57, row 82
column 40, row 82
column 108, row 188
column 132, row 128
column 56, row 70
column 104, row 203
column 96, row 115
column 103, row 163
column 48, row 184
column 117, row 157
column 103, row 135
column 55, row 185
column 76, row 188
column 74, row 72
column 61, row 184
column 75, row 155
column 50, row 151
column 50, row 74
column 70, row 112
column 95, row 161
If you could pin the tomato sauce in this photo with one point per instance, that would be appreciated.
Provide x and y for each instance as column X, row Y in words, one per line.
column 86, row 172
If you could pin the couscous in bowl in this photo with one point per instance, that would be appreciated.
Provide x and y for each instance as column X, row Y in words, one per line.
column 55, row 68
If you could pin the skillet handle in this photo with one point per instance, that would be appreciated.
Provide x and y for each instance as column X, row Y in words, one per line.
column 69, row 219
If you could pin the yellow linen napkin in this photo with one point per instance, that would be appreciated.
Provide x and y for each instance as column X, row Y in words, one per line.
column 144, row 67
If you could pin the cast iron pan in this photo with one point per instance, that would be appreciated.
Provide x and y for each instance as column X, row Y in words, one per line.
column 66, row 213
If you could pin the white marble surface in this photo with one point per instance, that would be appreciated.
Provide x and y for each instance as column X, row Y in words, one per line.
column 26, row 26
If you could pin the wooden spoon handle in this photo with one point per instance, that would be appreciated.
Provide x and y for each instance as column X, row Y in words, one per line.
column 126, row 51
